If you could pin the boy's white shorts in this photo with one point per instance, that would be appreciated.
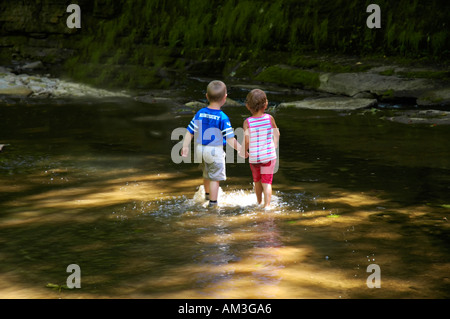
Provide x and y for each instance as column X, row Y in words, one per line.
column 212, row 161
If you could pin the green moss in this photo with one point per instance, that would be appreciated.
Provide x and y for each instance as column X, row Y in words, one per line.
column 325, row 65
column 289, row 77
column 433, row 99
column 119, row 76
column 132, row 33
column 388, row 72
column 280, row 24
column 439, row 75
column 436, row 100
column 389, row 94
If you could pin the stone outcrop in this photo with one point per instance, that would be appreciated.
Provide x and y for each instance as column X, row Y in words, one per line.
column 425, row 92
column 26, row 85
column 351, row 84
column 14, row 90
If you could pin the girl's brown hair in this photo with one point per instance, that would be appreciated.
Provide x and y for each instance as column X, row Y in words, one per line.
column 256, row 100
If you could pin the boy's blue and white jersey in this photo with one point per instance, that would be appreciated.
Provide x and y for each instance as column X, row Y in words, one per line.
column 211, row 127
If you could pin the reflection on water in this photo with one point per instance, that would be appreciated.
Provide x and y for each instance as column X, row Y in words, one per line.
column 90, row 185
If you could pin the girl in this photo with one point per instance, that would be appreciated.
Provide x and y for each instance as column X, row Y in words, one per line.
column 261, row 139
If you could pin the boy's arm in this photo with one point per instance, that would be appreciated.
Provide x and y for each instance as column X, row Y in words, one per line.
column 191, row 129
column 233, row 142
column 276, row 131
column 186, row 143
column 227, row 130
column 244, row 148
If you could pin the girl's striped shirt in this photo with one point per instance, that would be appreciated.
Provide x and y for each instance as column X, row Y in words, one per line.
column 261, row 145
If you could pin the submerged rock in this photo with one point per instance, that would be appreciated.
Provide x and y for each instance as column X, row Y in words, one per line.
column 331, row 103
column 152, row 99
column 184, row 111
column 155, row 118
column 196, row 105
column 231, row 102
column 430, row 117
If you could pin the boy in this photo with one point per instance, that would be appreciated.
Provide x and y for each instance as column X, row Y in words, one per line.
column 212, row 130
column 261, row 140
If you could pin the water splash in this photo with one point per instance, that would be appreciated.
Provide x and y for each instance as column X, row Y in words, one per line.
column 238, row 198
column 237, row 201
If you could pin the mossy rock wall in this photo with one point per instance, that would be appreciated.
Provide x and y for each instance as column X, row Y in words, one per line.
column 165, row 36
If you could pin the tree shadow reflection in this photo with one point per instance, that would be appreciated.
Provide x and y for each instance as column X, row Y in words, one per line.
column 136, row 233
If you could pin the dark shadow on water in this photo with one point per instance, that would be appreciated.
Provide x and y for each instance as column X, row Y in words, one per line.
column 111, row 201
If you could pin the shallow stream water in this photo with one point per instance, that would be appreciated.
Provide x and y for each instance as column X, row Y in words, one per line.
column 92, row 183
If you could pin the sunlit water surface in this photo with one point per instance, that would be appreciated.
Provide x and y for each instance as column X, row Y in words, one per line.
column 93, row 184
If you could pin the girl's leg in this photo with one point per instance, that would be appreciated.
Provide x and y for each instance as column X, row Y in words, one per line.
column 258, row 192
column 267, row 189
column 266, row 181
column 256, row 174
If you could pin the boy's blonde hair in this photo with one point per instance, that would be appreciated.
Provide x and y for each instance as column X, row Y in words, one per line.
column 256, row 100
column 216, row 91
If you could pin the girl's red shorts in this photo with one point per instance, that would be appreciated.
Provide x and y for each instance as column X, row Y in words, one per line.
column 263, row 172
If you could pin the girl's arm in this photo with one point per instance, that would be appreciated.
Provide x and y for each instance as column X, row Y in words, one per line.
column 276, row 131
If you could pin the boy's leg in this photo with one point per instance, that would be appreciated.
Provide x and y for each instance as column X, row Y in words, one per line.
column 216, row 173
column 213, row 190
column 206, row 185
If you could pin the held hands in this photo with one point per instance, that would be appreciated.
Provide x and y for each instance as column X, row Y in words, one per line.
column 185, row 151
column 245, row 155
column 242, row 152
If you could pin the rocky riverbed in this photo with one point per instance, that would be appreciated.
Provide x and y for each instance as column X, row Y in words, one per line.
column 426, row 92
column 429, row 99
column 33, row 86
